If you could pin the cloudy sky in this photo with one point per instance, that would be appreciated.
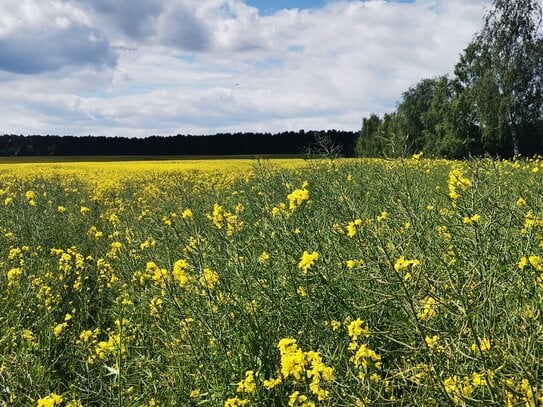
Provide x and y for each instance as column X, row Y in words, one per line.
column 141, row 67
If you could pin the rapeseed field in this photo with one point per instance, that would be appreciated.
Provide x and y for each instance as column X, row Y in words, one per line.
column 410, row 282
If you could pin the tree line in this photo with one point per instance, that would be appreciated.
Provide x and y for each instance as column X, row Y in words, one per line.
column 286, row 143
column 493, row 105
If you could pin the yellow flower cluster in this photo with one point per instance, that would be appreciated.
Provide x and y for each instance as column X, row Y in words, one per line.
column 247, row 385
column 294, row 200
column 402, row 263
column 483, row 345
column 443, row 232
column 428, row 308
column 307, row 261
column 221, row 218
column 470, row 220
column 536, row 262
column 297, row 197
column 357, row 328
column 462, row 389
column 523, row 393
column 366, row 361
column 297, row 399
column 457, row 179
column 51, row 400
column 351, row 227
column 180, row 274
column 235, row 402
column 113, row 345
column 209, row 279
column 13, row 276
column 301, row 366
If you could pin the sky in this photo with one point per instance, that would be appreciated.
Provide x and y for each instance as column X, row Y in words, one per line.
column 137, row 68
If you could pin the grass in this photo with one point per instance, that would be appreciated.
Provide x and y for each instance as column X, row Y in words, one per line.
column 333, row 283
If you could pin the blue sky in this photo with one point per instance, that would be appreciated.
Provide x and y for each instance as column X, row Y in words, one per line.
column 144, row 67
column 269, row 6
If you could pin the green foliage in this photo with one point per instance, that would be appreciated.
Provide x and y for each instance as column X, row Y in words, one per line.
column 390, row 282
column 501, row 71
column 493, row 105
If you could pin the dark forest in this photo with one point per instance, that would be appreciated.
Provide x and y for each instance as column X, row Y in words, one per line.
column 285, row 143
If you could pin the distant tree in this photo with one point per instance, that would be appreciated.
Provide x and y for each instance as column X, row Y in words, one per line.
column 368, row 144
column 446, row 123
column 323, row 146
column 415, row 104
column 501, row 72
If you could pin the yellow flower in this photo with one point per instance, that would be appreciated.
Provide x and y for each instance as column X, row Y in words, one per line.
column 523, row 262
column 484, row 345
column 264, row 257
column 478, row 379
column 471, row 220
column 30, row 195
column 195, row 393
column 428, row 309
column 51, row 400
column 431, row 341
column 292, row 359
column 296, row 399
column 403, row 263
column 247, row 385
column 536, row 262
column 58, row 329
column 113, row 344
column 85, row 335
column 209, row 279
column 235, row 402
column 28, row 335
column 307, row 261
column 363, row 355
column 187, row 214
column 357, row 328
column 444, row 233
column 271, row 383
column 217, row 216
column 335, row 324
column 521, row 202
column 297, row 197
column 382, row 217
column 13, row 276
column 457, row 179
column 351, row 229
column 450, row 384
column 180, row 274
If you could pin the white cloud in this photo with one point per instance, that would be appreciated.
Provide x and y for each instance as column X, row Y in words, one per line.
column 37, row 37
column 197, row 66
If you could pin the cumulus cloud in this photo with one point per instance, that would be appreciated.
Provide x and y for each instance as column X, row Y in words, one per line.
column 182, row 28
column 194, row 66
column 134, row 18
column 37, row 37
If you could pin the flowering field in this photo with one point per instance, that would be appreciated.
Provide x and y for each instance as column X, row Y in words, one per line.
column 320, row 283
